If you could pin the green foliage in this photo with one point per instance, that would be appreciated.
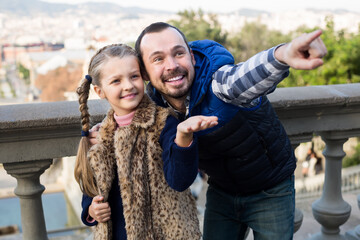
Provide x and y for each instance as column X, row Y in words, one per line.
column 195, row 26
column 352, row 160
column 341, row 64
column 253, row 38
column 24, row 73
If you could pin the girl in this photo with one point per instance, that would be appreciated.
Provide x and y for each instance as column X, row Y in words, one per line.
column 139, row 171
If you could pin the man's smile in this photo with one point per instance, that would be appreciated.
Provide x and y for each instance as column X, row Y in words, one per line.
column 175, row 80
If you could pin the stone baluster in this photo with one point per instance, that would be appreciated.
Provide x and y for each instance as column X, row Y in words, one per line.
column 295, row 142
column 331, row 211
column 355, row 233
column 29, row 191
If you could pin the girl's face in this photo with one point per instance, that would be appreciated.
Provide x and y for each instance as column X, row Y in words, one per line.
column 121, row 84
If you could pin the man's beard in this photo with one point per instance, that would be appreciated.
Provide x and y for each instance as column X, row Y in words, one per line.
column 180, row 93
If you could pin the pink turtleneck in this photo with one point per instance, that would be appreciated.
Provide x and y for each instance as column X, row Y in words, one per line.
column 125, row 119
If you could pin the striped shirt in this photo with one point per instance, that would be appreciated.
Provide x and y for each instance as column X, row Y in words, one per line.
column 242, row 84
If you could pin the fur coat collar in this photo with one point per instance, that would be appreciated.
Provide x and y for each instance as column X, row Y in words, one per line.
column 152, row 210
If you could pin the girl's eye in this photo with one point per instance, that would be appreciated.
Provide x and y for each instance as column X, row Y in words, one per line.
column 115, row 81
column 135, row 76
column 179, row 53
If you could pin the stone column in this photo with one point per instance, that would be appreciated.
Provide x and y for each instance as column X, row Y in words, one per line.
column 355, row 233
column 331, row 211
column 295, row 142
column 29, row 191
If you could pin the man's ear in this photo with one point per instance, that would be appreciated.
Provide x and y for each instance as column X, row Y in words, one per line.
column 145, row 76
column 192, row 57
column 99, row 91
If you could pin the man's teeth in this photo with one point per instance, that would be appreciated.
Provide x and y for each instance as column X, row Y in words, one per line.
column 174, row 79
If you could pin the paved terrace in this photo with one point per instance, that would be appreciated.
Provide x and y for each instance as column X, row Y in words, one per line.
column 32, row 135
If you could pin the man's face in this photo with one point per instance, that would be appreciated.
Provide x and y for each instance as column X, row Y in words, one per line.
column 168, row 62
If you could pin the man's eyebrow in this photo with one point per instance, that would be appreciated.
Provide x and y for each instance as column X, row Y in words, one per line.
column 154, row 53
column 176, row 47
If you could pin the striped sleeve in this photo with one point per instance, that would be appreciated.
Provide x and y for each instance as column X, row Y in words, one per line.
column 244, row 83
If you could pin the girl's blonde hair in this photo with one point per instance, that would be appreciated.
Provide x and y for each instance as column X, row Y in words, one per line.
column 83, row 172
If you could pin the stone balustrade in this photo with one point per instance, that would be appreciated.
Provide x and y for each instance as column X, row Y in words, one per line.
column 31, row 135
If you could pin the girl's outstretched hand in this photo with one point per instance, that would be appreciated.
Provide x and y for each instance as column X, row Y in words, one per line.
column 185, row 129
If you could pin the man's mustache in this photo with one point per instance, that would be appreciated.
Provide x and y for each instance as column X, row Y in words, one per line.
column 176, row 72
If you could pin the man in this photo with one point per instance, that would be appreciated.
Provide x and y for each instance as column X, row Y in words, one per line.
column 248, row 156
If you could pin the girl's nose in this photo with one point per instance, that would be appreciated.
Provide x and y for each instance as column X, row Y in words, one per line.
column 128, row 84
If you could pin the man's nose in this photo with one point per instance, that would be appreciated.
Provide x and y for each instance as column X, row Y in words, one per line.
column 171, row 63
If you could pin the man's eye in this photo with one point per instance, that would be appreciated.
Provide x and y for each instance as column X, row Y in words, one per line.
column 158, row 59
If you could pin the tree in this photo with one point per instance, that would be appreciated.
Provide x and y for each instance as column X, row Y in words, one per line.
column 341, row 64
column 253, row 38
column 56, row 82
column 197, row 25
column 24, row 73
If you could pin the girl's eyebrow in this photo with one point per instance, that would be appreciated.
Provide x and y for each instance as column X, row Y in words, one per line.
column 113, row 77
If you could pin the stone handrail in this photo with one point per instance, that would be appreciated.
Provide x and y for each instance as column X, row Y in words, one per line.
column 312, row 186
column 31, row 135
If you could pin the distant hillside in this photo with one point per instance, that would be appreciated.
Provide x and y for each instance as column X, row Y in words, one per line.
column 31, row 7
column 34, row 7
column 254, row 13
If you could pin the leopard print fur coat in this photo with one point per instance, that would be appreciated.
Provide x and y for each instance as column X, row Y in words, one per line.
column 152, row 210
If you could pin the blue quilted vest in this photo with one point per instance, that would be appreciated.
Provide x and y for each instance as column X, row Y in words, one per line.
column 248, row 151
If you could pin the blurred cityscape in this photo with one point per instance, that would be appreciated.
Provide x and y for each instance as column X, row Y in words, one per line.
column 45, row 47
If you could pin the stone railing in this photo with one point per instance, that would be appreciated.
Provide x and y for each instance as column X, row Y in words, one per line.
column 31, row 135
column 312, row 186
column 332, row 112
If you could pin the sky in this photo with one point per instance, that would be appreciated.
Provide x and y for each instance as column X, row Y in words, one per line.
column 230, row 5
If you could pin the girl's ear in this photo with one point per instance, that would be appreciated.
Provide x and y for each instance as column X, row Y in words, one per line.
column 99, row 91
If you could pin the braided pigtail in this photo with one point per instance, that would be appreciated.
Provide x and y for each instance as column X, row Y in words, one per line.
column 83, row 172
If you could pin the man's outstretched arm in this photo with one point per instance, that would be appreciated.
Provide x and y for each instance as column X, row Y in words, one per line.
column 242, row 84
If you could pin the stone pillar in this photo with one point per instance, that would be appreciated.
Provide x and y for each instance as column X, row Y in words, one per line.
column 295, row 141
column 298, row 218
column 355, row 233
column 331, row 211
column 29, row 191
